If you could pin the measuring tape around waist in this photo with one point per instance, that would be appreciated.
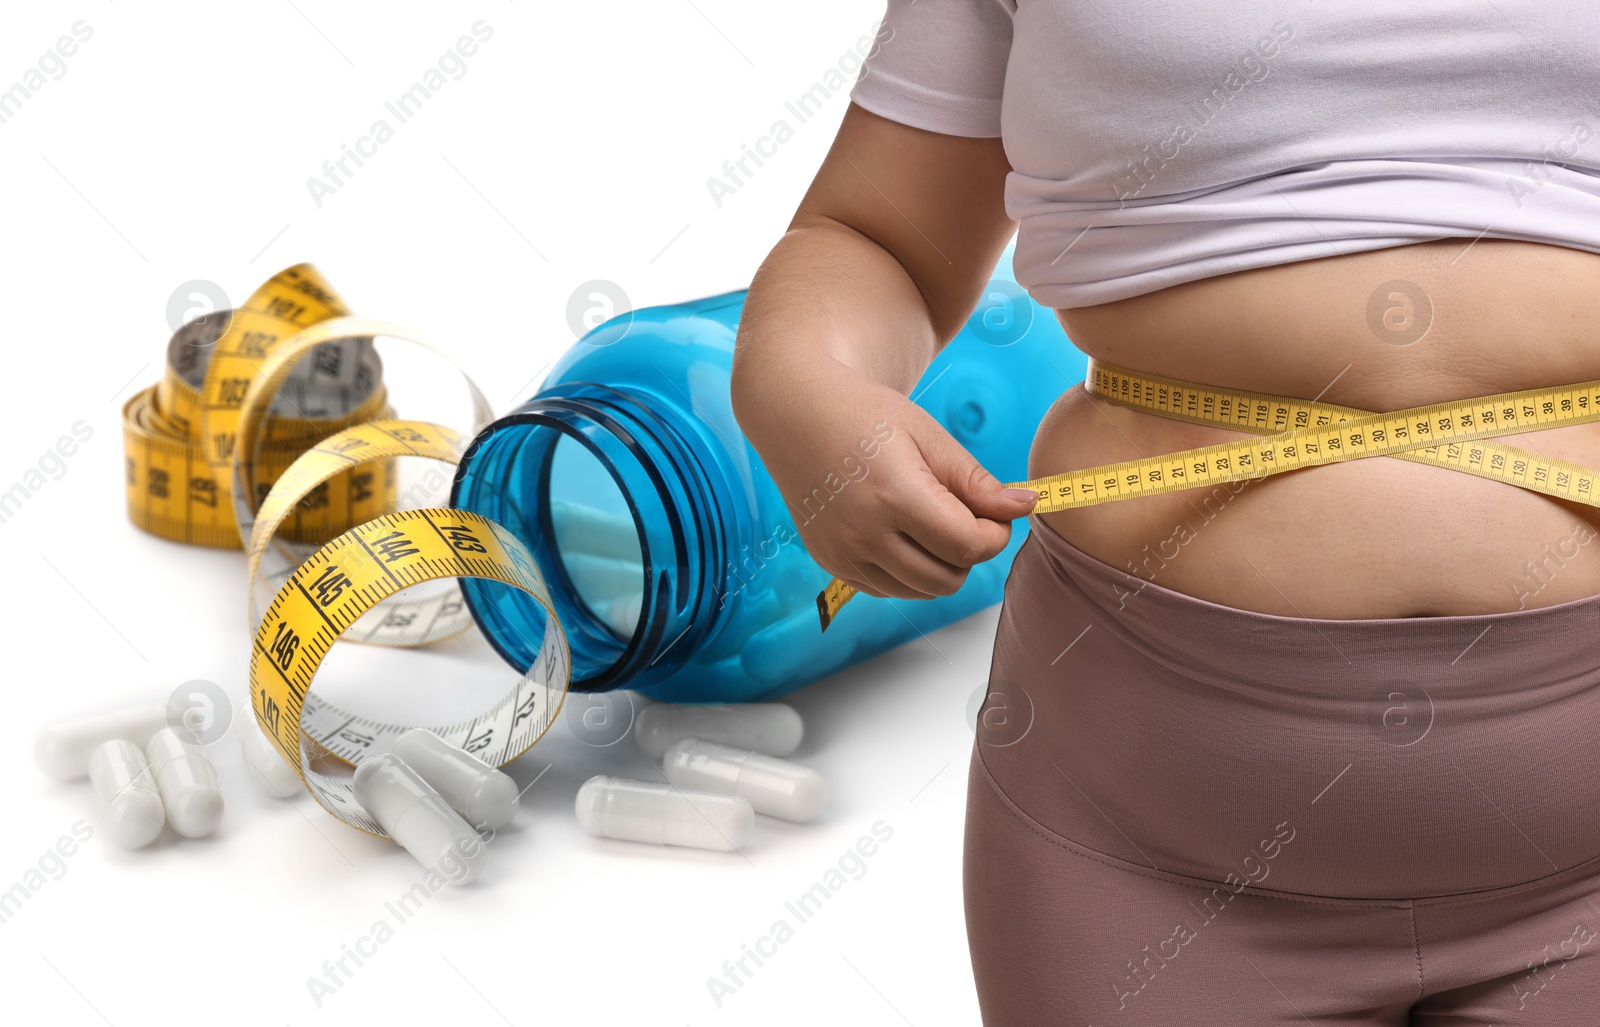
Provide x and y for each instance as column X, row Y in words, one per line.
column 1307, row 433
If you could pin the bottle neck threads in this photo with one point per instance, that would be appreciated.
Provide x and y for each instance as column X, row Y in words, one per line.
column 523, row 461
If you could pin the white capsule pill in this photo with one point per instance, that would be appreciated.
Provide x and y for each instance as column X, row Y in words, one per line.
column 623, row 614
column 645, row 811
column 418, row 818
column 484, row 795
column 585, row 529
column 130, row 805
column 769, row 727
column 775, row 787
column 63, row 750
column 187, row 783
column 270, row 771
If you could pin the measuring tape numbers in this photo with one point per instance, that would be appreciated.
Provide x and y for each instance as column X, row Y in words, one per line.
column 271, row 430
column 407, row 622
column 358, row 587
column 317, row 479
column 330, row 591
column 1306, row 433
column 180, row 433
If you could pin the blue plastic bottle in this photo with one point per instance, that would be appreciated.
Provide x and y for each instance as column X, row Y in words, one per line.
column 635, row 421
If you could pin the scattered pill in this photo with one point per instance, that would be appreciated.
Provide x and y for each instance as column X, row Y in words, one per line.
column 131, row 814
column 584, row 529
column 63, row 750
column 775, row 787
column 644, row 811
column 485, row 796
column 270, row 771
column 187, row 783
column 418, row 818
column 767, row 727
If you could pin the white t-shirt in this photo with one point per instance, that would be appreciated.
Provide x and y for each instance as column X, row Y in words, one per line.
column 1171, row 140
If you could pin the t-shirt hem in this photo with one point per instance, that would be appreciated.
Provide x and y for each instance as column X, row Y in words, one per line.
column 932, row 111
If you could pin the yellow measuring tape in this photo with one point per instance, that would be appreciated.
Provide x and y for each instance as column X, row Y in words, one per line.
column 1305, row 433
column 345, row 579
column 329, row 595
column 274, row 418
column 179, row 434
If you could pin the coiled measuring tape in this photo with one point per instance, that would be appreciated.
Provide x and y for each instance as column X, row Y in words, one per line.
column 359, row 586
column 298, row 441
column 351, row 589
column 341, row 582
column 1305, row 433
column 179, row 434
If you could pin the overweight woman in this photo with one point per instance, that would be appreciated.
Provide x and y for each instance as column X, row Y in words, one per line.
column 1318, row 746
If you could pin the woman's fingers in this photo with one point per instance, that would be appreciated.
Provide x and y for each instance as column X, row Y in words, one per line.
column 868, row 579
column 942, row 526
column 901, row 568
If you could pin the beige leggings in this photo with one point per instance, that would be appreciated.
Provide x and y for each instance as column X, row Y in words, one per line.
column 1186, row 813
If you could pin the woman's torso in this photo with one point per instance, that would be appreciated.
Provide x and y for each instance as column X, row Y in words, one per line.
column 1374, row 537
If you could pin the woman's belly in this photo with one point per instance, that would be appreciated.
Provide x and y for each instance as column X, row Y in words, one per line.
column 1375, row 537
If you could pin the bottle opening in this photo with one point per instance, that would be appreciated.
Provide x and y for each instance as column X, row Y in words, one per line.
column 612, row 501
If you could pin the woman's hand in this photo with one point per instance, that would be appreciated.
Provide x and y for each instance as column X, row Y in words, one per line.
column 884, row 261
column 883, row 497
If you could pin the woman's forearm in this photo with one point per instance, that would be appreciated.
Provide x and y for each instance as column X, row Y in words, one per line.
column 826, row 291
column 840, row 323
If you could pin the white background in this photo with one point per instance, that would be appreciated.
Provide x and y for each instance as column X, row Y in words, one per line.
column 577, row 146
